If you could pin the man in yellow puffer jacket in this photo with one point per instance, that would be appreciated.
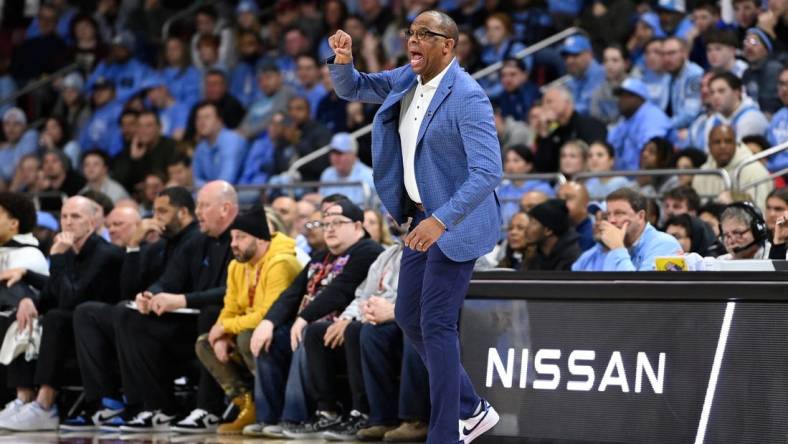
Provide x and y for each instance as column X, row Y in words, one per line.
column 264, row 266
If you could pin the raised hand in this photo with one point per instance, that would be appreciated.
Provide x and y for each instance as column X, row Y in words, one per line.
column 342, row 45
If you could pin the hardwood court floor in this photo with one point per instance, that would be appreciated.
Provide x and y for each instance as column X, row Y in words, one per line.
column 140, row 438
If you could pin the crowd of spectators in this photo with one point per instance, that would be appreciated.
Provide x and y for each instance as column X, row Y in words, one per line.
column 150, row 228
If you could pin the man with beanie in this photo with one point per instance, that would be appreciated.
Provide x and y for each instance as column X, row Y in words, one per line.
column 263, row 267
column 760, row 79
column 549, row 229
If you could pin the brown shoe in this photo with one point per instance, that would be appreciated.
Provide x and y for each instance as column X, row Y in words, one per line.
column 245, row 417
column 373, row 433
column 408, row 431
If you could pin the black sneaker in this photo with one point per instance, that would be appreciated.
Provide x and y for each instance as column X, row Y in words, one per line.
column 314, row 428
column 347, row 429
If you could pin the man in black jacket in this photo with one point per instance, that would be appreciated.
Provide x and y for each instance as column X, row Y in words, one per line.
column 550, row 229
column 559, row 123
column 83, row 267
column 156, row 340
column 320, row 292
column 143, row 263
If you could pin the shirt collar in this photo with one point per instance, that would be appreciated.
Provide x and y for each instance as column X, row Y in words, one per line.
column 433, row 84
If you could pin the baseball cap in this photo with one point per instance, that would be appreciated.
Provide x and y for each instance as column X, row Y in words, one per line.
column 349, row 210
column 152, row 81
column 672, row 5
column 575, row 45
column 103, row 82
column 15, row 115
column 344, row 143
column 247, row 6
column 73, row 81
column 124, row 39
column 652, row 21
column 634, row 86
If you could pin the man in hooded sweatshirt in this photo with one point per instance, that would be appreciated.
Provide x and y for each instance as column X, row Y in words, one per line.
column 550, row 229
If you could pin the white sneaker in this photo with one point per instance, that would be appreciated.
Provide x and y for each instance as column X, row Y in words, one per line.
column 479, row 423
column 148, row 422
column 11, row 408
column 198, row 421
column 31, row 418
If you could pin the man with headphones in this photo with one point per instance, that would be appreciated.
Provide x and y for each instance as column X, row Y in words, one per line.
column 743, row 232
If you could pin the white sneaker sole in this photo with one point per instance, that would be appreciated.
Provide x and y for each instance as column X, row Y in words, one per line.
column 188, row 431
column 488, row 422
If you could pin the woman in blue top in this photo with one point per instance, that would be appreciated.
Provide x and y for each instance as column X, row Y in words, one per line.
column 518, row 159
column 601, row 159
column 500, row 45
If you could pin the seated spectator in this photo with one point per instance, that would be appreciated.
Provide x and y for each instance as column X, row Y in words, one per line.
column 517, row 249
column 574, row 155
column 96, row 341
column 586, row 74
column 313, row 233
column 345, row 167
column 698, row 133
column 71, row 106
column 28, row 175
column 744, row 232
column 307, row 136
column 576, row 197
column 19, row 249
column 602, row 159
column 102, row 130
column 687, row 159
column 518, row 159
column 642, row 122
column 220, row 152
column 56, row 135
column 745, row 16
column 87, row 45
column 711, row 213
column 727, row 154
column 376, row 226
column 532, row 199
column 215, row 92
column 243, row 81
column 550, row 231
column 634, row 243
column 121, row 68
column 733, row 108
column 320, row 291
column 684, row 103
column 208, row 23
column 760, row 78
column 122, row 223
column 594, row 258
column 705, row 18
column 287, row 209
column 19, row 141
column 272, row 261
column 776, row 206
column 721, row 46
column 182, row 79
column 272, row 98
column 43, row 54
column 603, row 104
column 777, row 132
column 682, row 199
column 468, row 51
column 173, row 116
column 656, row 155
column 310, row 84
column 693, row 235
column 58, row 176
column 652, row 73
column 83, row 267
column 779, row 236
column 259, row 164
column 179, row 172
column 499, row 47
column 518, row 93
column 149, row 152
column 757, row 144
column 95, row 168
column 559, row 123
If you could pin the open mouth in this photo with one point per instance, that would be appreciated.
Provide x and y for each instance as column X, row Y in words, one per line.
column 416, row 59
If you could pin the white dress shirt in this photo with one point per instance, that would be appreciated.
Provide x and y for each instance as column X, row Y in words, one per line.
column 414, row 107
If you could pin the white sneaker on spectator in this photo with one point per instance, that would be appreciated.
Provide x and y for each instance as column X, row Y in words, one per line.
column 31, row 418
column 264, row 430
column 198, row 421
column 11, row 408
column 483, row 420
column 148, row 422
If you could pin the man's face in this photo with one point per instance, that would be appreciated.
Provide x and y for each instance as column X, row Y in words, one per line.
column 152, row 187
column 167, row 214
column 313, row 231
column 173, row 52
column 339, row 232
column 298, row 110
column 9, row 227
column 303, row 211
column 94, row 168
column 653, row 56
column 531, row 199
column 736, row 234
column 576, row 201
column 512, row 78
column 208, row 123
column 620, row 213
column 180, row 175
column 204, row 23
column 13, row 130
column 286, row 208
column 615, row 65
column 674, row 207
column 722, row 145
column 535, row 232
column 342, row 162
column 128, row 126
column 214, row 87
column 782, row 87
column 47, row 20
column 244, row 245
column 121, row 223
column 307, row 72
column 76, row 218
column 102, row 96
column 703, row 19
column 719, row 55
column 148, row 129
column 628, row 103
column 426, row 55
column 210, row 213
column 746, row 13
column 52, row 166
column 295, row 43
column 555, row 102
column 576, row 64
column 724, row 99
column 775, row 207
column 248, row 46
column 754, row 49
column 681, row 235
column 270, row 82
column 496, row 31
column 673, row 56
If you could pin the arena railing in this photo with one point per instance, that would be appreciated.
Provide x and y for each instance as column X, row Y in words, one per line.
column 726, row 179
column 495, row 67
column 777, row 149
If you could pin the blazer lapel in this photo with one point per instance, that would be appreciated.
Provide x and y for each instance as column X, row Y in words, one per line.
column 394, row 98
column 440, row 95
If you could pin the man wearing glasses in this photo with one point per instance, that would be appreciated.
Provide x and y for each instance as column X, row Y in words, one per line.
column 437, row 161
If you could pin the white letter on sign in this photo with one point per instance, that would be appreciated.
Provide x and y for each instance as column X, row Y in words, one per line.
column 616, row 364
column 657, row 381
column 506, row 374
column 547, row 369
column 581, row 370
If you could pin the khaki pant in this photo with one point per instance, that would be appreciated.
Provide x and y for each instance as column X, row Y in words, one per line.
column 236, row 377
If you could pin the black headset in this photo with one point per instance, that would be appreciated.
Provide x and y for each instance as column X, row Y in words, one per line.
column 760, row 232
